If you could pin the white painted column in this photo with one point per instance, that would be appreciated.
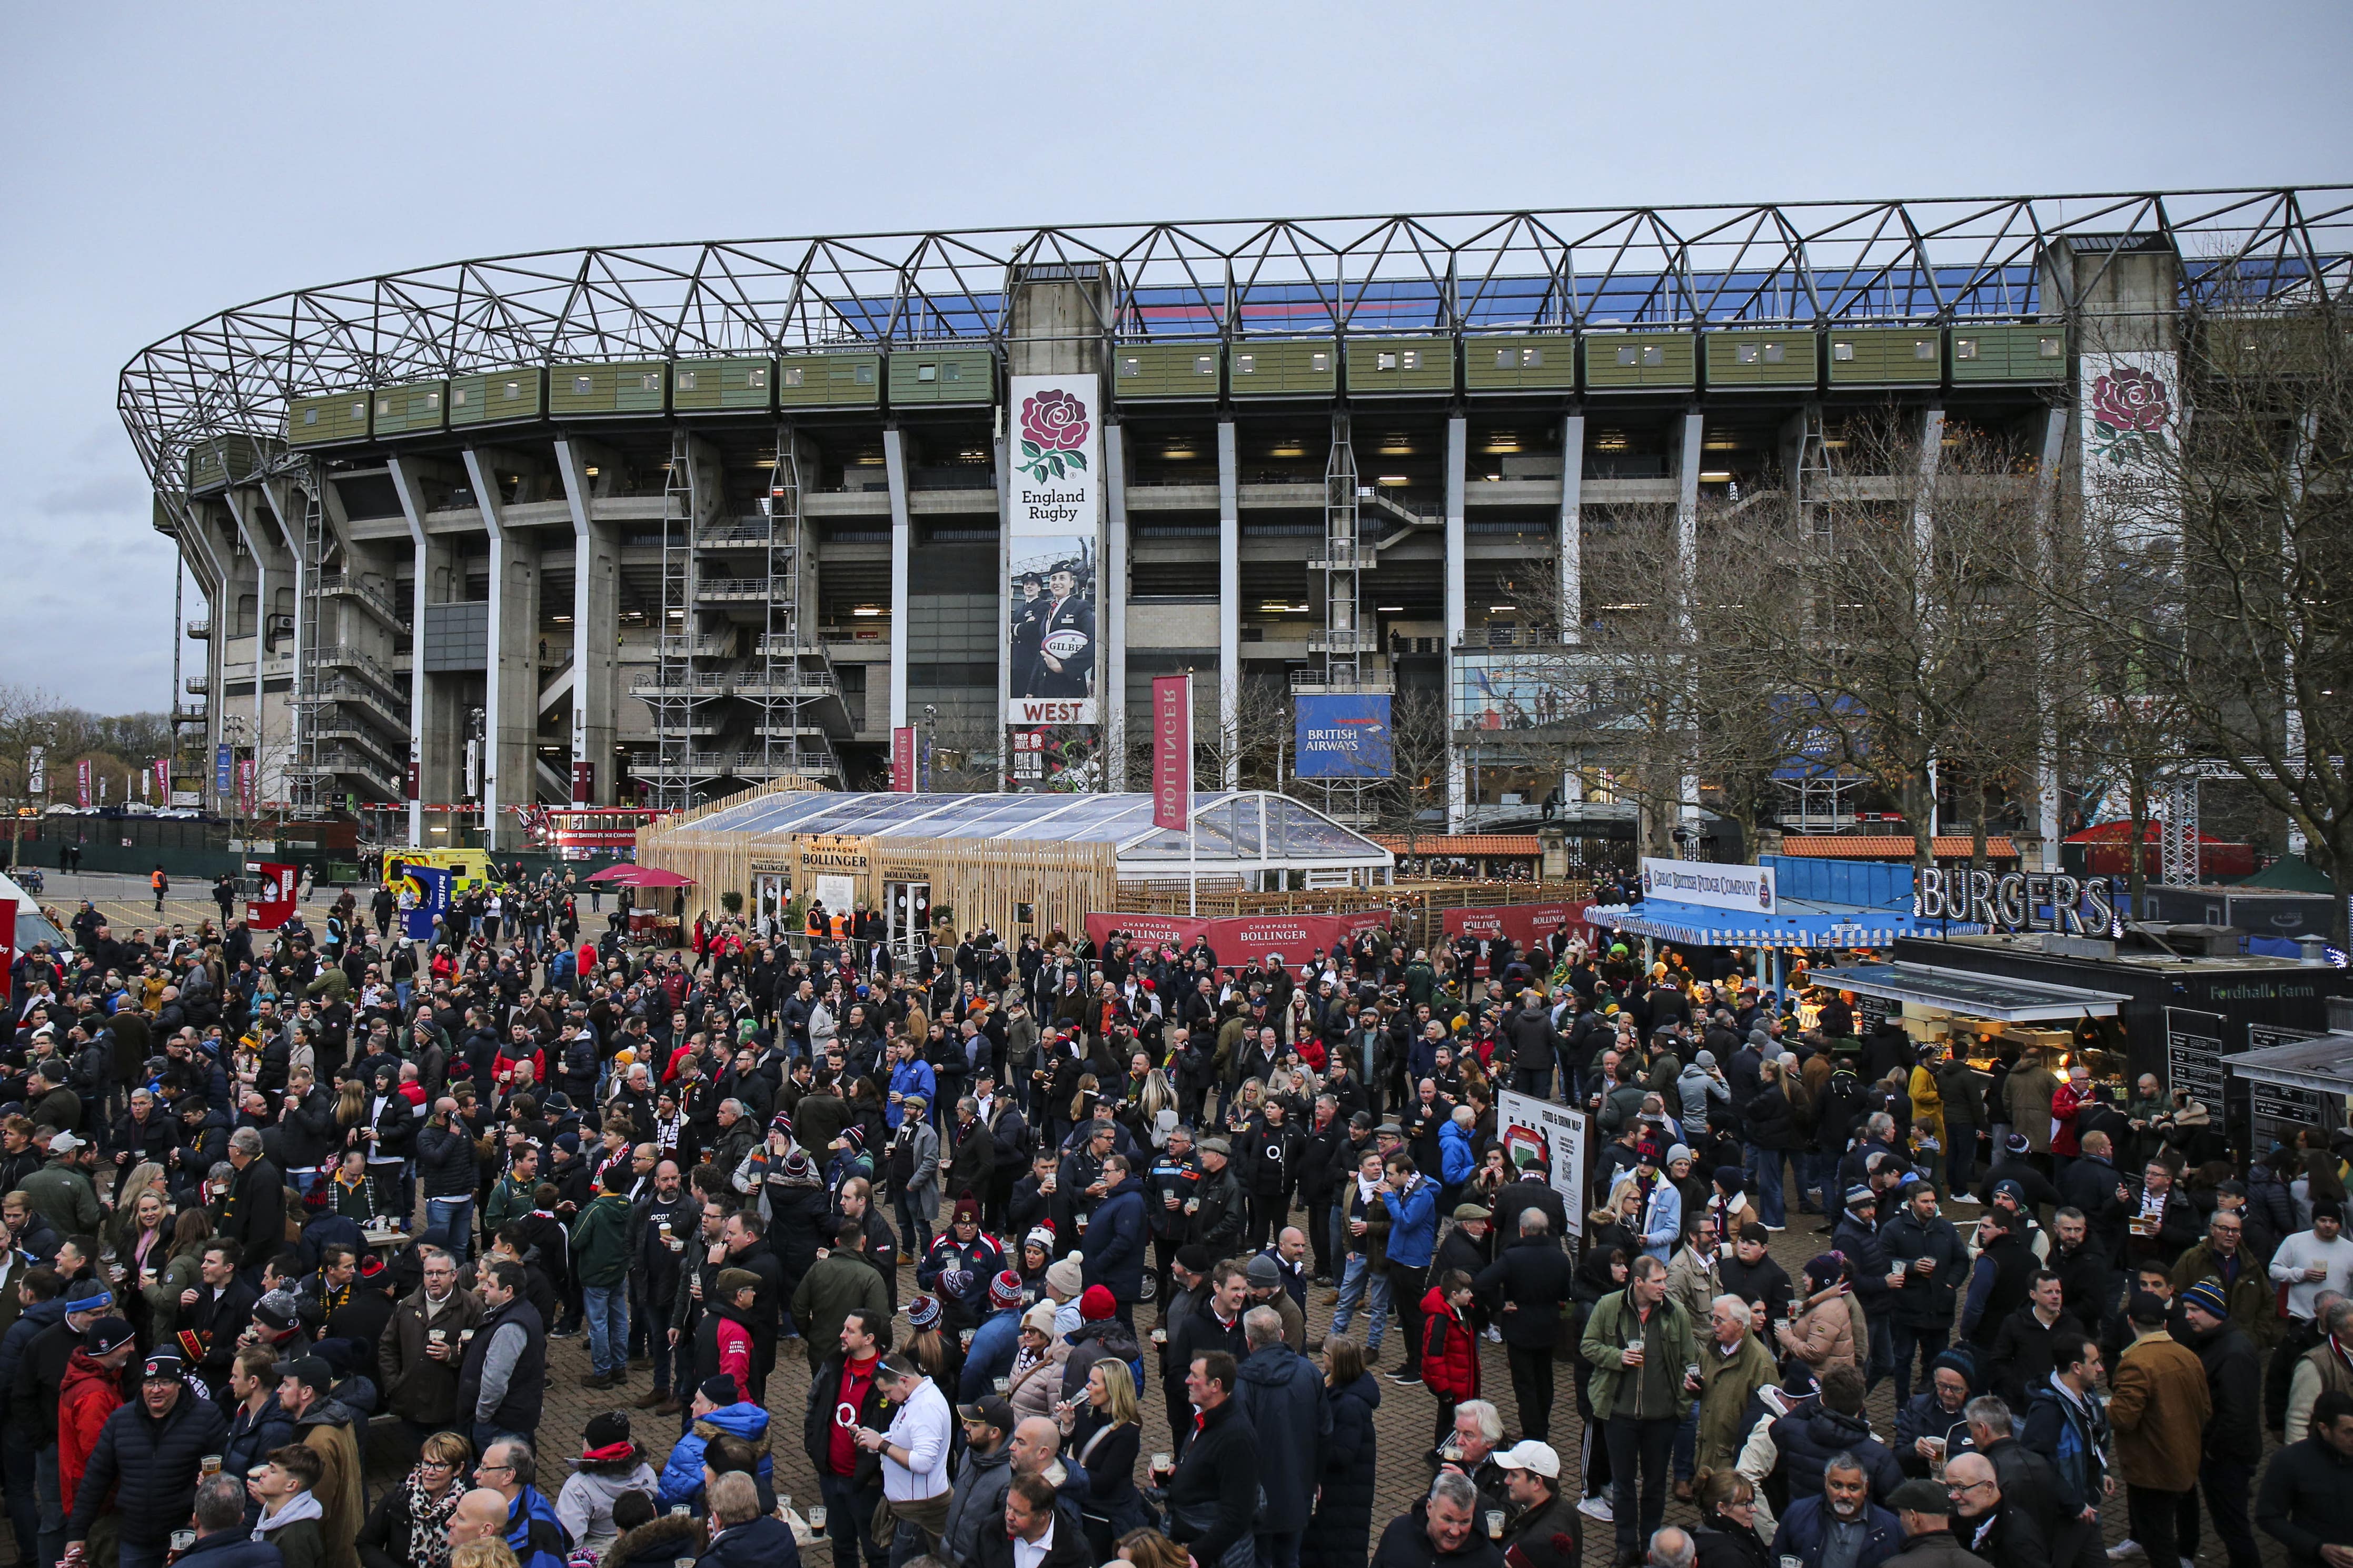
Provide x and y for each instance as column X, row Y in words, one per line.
column 1572, row 558
column 412, row 508
column 1230, row 603
column 902, row 545
column 1457, row 611
column 595, row 626
column 1111, row 687
column 511, row 684
column 259, row 546
column 1687, row 567
column 1923, row 544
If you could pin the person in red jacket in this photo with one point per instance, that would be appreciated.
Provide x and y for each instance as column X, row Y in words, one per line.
column 90, row 1390
column 1450, row 1347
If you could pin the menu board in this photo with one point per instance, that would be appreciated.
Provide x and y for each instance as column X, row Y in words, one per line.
column 2193, row 1055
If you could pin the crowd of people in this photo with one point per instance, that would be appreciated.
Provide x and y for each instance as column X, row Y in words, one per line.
column 270, row 1194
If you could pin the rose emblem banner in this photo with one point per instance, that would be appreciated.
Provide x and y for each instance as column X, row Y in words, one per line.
column 2129, row 418
column 1051, row 656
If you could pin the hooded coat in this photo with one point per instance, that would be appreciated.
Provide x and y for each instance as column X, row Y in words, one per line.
column 327, row 1429
column 1281, row 1397
column 1340, row 1533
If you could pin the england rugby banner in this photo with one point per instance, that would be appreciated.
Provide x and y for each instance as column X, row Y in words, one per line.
column 1055, row 492
column 2128, row 435
column 1556, row 1135
column 1172, row 751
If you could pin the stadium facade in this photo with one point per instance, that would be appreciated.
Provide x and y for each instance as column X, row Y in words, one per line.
column 652, row 523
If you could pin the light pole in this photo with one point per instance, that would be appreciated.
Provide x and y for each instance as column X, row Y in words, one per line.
column 931, row 740
column 477, row 764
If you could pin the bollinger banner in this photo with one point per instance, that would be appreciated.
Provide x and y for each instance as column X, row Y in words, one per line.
column 161, row 769
column 1055, row 493
column 1557, row 1135
column 1297, row 938
column 1172, row 751
column 1525, row 924
column 81, row 783
column 903, row 760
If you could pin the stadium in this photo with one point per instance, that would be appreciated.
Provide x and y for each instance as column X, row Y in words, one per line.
column 652, row 524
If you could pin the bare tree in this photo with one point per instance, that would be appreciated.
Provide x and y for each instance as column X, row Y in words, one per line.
column 2219, row 542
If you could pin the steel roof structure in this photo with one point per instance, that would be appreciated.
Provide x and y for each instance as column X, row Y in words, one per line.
column 1814, row 263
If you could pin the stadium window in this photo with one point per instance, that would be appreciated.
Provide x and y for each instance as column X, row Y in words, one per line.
column 1747, row 353
column 1532, row 356
column 1205, row 364
column 515, row 391
column 1385, row 361
column 649, row 382
column 383, row 406
column 1246, row 364
column 686, row 381
column 927, row 373
column 792, row 375
column 1319, row 361
column 1130, row 367
column 1842, row 352
column 432, row 400
column 309, row 417
column 582, row 385
column 457, row 398
column 359, row 410
column 1776, row 354
column 756, row 378
column 1627, row 355
column 952, row 372
column 1965, row 348
column 1654, row 355
column 2047, row 348
column 1411, row 359
column 1924, row 348
column 1503, row 358
column 863, row 375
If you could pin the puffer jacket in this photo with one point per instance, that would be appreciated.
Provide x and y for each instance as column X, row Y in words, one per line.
column 1824, row 1332
column 681, row 1473
column 1449, row 1352
column 585, row 1505
column 149, row 1466
column 1808, row 1438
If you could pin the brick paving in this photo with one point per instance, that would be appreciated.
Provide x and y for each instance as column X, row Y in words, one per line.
column 1402, row 1425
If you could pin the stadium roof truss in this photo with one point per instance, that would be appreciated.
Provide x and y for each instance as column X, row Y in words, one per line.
column 1804, row 264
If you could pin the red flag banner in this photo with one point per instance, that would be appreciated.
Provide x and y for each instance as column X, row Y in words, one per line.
column 584, row 781
column 903, row 760
column 1525, row 924
column 1172, row 751
column 7, row 948
column 81, row 783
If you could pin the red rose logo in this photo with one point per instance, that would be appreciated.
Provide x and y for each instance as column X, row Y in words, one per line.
column 1054, row 431
column 2129, row 400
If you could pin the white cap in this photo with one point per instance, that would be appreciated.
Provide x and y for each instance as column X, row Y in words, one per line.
column 1530, row 1454
column 64, row 1143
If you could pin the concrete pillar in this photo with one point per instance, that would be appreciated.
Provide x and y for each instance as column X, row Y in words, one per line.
column 272, row 570
column 1458, row 778
column 191, row 534
column 2055, row 421
column 1572, row 558
column 510, row 700
column 1688, row 460
column 903, row 546
column 432, row 721
column 595, row 624
column 1230, row 604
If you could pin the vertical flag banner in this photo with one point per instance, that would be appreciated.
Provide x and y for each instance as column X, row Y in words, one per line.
column 224, row 764
column 1172, row 751
column 903, row 760
column 161, row 767
column 7, row 947
column 37, row 771
column 1056, row 489
column 81, row 783
column 584, row 781
column 2129, row 433
column 247, row 778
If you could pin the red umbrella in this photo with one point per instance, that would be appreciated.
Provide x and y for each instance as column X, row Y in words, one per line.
column 641, row 876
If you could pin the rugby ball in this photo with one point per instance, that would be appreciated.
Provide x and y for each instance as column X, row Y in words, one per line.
column 1067, row 644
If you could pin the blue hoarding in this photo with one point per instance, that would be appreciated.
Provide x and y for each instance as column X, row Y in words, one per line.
column 1342, row 737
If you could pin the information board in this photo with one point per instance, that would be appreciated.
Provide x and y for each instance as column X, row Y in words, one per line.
column 1557, row 1134
column 2193, row 1053
column 2282, row 1111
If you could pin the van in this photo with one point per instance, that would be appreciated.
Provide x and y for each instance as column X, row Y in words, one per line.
column 472, row 866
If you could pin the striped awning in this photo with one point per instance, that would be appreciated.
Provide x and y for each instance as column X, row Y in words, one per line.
column 1796, row 924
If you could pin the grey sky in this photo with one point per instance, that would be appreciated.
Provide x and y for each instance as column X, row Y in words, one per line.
column 165, row 161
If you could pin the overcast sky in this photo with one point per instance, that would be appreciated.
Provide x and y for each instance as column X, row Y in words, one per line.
column 165, row 161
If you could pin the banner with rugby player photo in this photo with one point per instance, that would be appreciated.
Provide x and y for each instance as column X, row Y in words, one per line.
column 1055, row 492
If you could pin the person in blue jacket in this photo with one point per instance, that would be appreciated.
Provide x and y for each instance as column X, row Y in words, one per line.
column 1845, row 1509
column 1112, row 1247
column 995, row 1342
column 717, row 1413
column 1411, row 1199
column 910, row 1077
column 1457, row 1161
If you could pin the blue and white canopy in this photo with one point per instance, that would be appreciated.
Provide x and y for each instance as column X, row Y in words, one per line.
column 1799, row 922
